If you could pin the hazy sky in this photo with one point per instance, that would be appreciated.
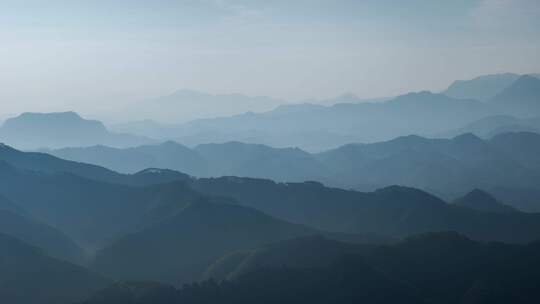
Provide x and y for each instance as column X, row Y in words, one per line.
column 90, row 55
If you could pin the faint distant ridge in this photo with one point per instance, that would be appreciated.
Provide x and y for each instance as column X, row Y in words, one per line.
column 61, row 129
column 481, row 88
column 185, row 104
column 491, row 126
column 521, row 98
column 324, row 127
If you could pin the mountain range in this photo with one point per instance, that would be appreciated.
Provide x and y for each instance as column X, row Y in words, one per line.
column 169, row 227
column 483, row 201
column 324, row 127
column 293, row 210
column 56, row 130
column 482, row 88
column 185, row 105
column 507, row 165
column 491, row 126
column 432, row 268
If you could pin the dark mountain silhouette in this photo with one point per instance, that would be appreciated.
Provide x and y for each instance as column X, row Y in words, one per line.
column 46, row 163
column 91, row 212
column 393, row 211
column 304, row 252
column 439, row 268
column 481, row 88
column 55, row 130
column 483, row 201
column 178, row 249
column 30, row 276
column 521, row 98
column 52, row 241
column 95, row 212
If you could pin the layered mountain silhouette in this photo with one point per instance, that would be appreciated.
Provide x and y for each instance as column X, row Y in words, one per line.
column 56, row 130
column 185, row 105
column 239, row 159
column 322, row 127
column 169, row 155
column 326, row 127
column 52, row 241
column 303, row 252
column 506, row 165
column 178, row 249
column 46, row 163
column 494, row 125
column 522, row 97
column 95, row 212
column 483, row 201
column 30, row 276
column 482, row 88
column 164, row 225
column 232, row 158
column 432, row 268
column 393, row 211
column 467, row 161
column 89, row 211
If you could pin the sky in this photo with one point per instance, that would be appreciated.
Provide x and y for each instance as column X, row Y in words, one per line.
column 97, row 55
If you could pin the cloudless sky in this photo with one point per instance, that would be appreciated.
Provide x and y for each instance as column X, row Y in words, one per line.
column 95, row 55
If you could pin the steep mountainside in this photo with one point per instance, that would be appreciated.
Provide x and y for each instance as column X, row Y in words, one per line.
column 481, row 88
column 521, row 98
column 439, row 268
column 29, row 276
column 52, row 241
column 393, row 211
column 178, row 249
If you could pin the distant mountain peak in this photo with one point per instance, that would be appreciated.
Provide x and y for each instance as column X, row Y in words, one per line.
column 482, row 87
column 32, row 131
column 467, row 138
column 523, row 95
column 188, row 93
column 71, row 115
column 481, row 200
